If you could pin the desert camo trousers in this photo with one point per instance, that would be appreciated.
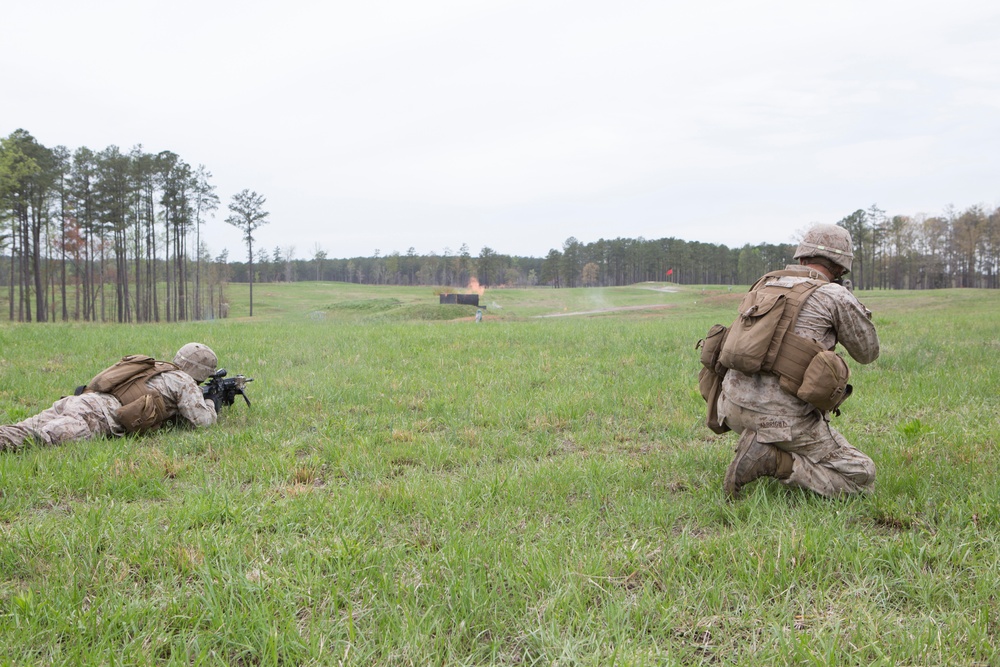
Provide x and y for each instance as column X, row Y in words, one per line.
column 70, row 418
column 822, row 459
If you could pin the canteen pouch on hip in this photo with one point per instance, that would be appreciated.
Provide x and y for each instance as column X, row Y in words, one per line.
column 142, row 414
column 711, row 375
column 710, row 386
column 824, row 384
column 749, row 338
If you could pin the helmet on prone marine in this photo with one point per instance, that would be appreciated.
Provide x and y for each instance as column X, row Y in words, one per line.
column 831, row 242
column 197, row 360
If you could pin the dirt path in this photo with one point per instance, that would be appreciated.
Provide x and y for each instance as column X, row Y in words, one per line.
column 609, row 310
column 666, row 288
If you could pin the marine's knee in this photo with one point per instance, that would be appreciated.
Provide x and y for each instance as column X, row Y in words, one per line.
column 865, row 477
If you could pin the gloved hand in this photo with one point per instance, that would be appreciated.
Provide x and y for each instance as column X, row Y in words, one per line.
column 217, row 400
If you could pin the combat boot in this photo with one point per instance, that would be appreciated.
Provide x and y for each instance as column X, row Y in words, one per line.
column 752, row 461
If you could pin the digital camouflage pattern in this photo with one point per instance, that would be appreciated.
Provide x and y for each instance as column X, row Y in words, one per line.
column 823, row 460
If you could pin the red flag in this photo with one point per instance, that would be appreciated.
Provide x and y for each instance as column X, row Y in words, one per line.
column 670, row 272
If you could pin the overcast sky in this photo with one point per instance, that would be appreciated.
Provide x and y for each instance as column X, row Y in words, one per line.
column 391, row 124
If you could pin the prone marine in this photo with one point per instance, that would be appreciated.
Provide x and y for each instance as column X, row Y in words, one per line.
column 135, row 395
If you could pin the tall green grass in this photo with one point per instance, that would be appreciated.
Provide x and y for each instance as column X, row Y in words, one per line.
column 412, row 490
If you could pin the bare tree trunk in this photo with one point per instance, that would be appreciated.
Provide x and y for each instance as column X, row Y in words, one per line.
column 24, row 298
column 250, row 266
column 13, row 273
column 36, row 264
column 62, row 243
column 88, row 270
column 181, row 273
column 151, row 266
column 197, row 270
column 100, row 283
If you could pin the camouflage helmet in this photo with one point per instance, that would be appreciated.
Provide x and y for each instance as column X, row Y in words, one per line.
column 196, row 360
column 830, row 241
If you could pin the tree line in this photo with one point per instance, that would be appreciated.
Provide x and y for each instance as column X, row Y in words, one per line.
column 956, row 249
column 114, row 236
column 103, row 235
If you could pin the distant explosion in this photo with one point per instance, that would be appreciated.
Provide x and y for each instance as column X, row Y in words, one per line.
column 475, row 288
column 471, row 298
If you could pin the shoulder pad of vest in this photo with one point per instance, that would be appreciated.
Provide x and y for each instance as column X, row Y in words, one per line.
column 164, row 366
column 138, row 357
column 792, row 273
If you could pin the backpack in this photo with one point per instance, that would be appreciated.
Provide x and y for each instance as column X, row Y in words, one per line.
column 768, row 313
column 142, row 408
column 762, row 340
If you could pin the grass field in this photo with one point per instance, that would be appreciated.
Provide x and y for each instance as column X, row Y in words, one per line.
column 412, row 488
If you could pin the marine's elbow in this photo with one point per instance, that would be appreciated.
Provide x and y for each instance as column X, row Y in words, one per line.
column 867, row 356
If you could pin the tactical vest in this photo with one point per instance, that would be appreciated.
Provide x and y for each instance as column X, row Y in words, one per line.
column 763, row 340
column 142, row 408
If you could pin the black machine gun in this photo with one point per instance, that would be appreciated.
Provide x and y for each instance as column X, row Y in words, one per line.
column 223, row 390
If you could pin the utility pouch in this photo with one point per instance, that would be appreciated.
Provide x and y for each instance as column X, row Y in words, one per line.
column 824, row 384
column 711, row 347
column 142, row 414
column 749, row 338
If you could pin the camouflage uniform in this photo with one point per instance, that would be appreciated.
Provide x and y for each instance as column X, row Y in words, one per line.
column 93, row 414
column 822, row 459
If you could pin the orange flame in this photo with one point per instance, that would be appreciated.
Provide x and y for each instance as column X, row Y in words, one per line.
column 475, row 288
